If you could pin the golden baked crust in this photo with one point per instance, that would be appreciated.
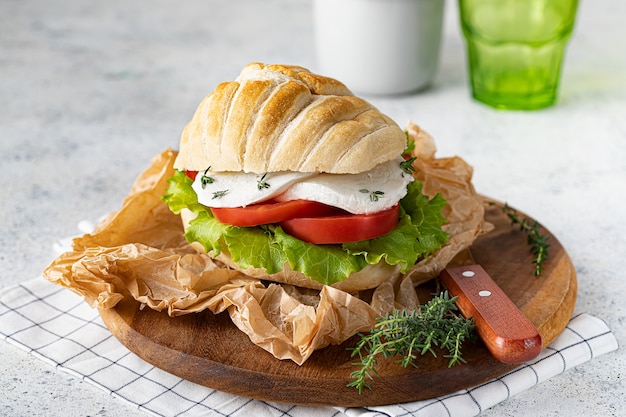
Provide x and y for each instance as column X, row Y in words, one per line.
column 285, row 118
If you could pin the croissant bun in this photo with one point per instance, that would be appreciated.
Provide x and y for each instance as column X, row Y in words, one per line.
column 285, row 118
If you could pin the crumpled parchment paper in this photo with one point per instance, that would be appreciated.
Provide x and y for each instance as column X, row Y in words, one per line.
column 139, row 251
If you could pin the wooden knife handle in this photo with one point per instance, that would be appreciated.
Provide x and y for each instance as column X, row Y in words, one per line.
column 507, row 333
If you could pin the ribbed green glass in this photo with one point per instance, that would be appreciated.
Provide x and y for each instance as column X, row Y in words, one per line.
column 515, row 49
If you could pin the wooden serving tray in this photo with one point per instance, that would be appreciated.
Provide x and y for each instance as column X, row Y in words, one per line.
column 209, row 350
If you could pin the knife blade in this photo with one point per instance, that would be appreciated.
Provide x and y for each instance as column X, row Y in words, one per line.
column 505, row 331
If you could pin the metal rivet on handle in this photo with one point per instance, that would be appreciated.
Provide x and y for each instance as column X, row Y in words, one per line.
column 468, row 274
column 484, row 293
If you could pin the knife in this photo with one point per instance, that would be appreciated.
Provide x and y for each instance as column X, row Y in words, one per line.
column 507, row 333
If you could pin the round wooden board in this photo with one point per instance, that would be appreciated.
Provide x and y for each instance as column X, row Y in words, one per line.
column 209, row 350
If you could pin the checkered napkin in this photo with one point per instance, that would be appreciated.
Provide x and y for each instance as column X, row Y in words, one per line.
column 56, row 326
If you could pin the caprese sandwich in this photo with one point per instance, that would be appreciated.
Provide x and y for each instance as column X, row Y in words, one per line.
column 287, row 176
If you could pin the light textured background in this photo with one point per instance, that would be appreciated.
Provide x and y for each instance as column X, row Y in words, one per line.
column 90, row 91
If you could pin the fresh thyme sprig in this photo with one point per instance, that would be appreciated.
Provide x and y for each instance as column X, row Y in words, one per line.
column 407, row 165
column 538, row 242
column 409, row 333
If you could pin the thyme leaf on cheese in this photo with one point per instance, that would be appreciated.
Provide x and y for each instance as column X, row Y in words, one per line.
column 219, row 194
column 205, row 179
column 261, row 184
column 411, row 333
column 374, row 195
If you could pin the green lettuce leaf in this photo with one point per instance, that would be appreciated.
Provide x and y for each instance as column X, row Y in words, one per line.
column 206, row 230
column 324, row 263
column 417, row 235
column 255, row 247
column 180, row 195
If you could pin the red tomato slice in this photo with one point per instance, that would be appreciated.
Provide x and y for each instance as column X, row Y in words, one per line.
column 342, row 228
column 192, row 174
column 271, row 212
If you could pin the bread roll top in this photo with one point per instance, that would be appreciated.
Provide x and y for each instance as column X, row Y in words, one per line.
column 285, row 118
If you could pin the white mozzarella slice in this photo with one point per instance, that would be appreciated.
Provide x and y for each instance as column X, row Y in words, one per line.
column 240, row 189
column 364, row 193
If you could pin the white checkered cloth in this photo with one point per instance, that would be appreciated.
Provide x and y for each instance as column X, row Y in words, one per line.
column 56, row 326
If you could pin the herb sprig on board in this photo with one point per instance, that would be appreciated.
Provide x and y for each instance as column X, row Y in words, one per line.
column 411, row 333
column 538, row 242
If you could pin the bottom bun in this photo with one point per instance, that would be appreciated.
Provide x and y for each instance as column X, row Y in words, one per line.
column 368, row 278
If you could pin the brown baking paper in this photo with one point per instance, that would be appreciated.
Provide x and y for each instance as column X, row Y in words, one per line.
column 140, row 252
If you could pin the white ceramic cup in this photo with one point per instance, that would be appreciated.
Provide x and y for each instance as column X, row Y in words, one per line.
column 379, row 46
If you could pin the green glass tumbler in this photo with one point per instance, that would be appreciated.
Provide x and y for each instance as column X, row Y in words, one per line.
column 515, row 49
